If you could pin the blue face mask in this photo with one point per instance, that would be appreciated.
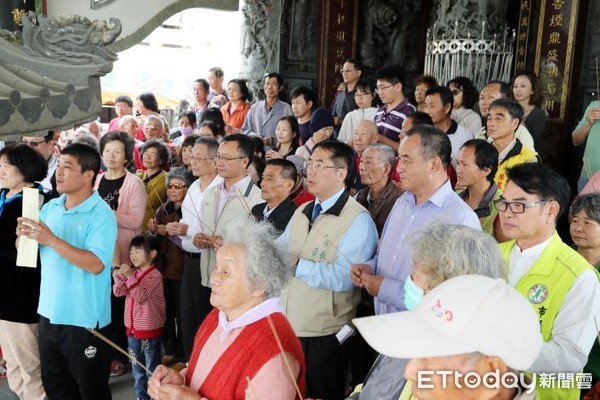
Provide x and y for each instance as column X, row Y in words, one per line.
column 412, row 294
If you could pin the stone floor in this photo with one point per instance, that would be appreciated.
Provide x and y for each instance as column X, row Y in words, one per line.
column 120, row 386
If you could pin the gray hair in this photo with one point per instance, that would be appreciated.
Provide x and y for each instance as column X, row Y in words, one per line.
column 443, row 251
column 267, row 262
column 86, row 137
column 155, row 118
column 386, row 153
column 126, row 119
column 181, row 173
column 589, row 204
column 211, row 143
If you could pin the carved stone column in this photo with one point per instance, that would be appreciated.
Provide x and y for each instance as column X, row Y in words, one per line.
column 259, row 41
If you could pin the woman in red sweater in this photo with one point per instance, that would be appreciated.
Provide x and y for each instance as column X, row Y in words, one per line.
column 236, row 352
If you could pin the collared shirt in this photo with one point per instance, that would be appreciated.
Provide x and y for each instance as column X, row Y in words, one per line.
column 262, row 122
column 393, row 260
column 502, row 155
column 483, row 208
column 389, row 122
column 47, row 181
column 191, row 212
column 458, row 135
column 70, row 295
column 254, row 314
column 267, row 212
column 358, row 243
column 574, row 329
column 238, row 188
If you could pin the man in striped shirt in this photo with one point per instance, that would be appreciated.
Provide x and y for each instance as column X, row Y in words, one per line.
column 395, row 109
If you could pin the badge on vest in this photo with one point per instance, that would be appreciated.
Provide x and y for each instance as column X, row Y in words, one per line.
column 538, row 293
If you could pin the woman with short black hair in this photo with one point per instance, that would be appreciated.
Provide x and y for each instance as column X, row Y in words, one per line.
column 20, row 167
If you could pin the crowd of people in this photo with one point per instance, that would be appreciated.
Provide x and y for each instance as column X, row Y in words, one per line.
column 276, row 250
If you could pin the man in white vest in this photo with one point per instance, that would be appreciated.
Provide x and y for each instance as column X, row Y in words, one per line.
column 232, row 198
column 325, row 237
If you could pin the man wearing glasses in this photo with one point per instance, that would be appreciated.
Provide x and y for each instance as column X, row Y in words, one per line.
column 395, row 108
column 561, row 286
column 44, row 146
column 344, row 99
column 325, row 237
column 233, row 198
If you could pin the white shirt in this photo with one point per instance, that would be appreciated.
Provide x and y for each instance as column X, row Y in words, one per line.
column 352, row 119
column 191, row 213
column 574, row 330
column 47, row 182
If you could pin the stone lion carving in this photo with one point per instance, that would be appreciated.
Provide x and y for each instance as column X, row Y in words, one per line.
column 50, row 75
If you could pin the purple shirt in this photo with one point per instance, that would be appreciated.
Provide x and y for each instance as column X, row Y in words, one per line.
column 390, row 123
column 393, row 260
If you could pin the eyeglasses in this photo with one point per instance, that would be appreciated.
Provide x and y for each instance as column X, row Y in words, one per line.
column 517, row 207
column 318, row 165
column 362, row 94
column 227, row 159
column 198, row 159
column 380, row 89
column 455, row 92
column 177, row 186
column 34, row 143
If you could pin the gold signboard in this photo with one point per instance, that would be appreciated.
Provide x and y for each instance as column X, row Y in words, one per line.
column 554, row 53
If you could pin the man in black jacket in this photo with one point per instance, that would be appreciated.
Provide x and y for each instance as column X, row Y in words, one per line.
column 278, row 183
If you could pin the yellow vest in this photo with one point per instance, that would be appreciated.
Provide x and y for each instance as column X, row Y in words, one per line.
column 312, row 311
column 545, row 286
column 519, row 154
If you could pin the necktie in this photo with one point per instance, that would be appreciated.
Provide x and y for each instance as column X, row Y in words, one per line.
column 316, row 211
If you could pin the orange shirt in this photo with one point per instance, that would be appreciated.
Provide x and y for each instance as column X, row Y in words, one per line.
column 236, row 117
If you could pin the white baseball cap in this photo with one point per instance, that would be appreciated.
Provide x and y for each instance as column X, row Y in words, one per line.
column 464, row 314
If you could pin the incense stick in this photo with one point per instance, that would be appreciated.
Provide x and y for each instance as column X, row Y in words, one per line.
column 587, row 169
column 120, row 350
column 597, row 81
column 251, row 388
column 286, row 361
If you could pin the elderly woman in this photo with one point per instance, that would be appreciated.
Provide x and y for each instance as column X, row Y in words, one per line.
column 125, row 194
column 155, row 157
column 585, row 232
column 440, row 252
column 178, row 182
column 20, row 167
column 245, row 348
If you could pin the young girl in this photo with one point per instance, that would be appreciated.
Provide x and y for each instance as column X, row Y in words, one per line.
column 144, row 306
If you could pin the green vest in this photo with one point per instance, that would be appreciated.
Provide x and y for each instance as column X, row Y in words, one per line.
column 545, row 286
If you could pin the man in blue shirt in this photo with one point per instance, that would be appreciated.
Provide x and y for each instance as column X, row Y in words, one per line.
column 325, row 237
column 76, row 234
column 423, row 158
column 264, row 115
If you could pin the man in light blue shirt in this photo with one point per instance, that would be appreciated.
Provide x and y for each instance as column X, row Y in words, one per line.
column 77, row 234
column 423, row 156
column 264, row 115
column 324, row 238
